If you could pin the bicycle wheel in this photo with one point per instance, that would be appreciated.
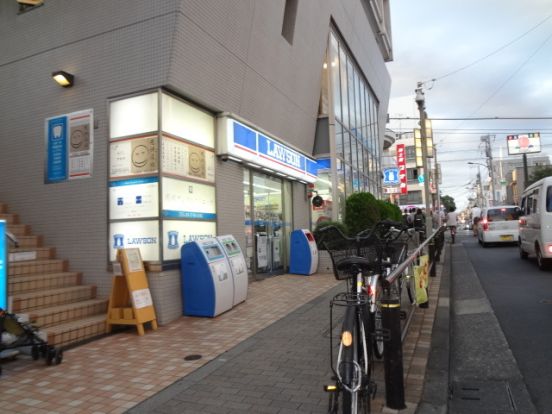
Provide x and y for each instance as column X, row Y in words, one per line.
column 355, row 374
column 376, row 325
column 410, row 288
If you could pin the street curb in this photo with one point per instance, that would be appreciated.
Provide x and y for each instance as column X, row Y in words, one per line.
column 436, row 383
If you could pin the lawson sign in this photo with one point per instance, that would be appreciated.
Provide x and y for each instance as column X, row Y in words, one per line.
column 243, row 142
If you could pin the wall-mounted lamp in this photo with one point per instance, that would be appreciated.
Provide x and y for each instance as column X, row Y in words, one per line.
column 63, row 78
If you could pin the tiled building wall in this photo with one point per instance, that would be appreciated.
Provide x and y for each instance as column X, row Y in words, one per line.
column 225, row 55
column 112, row 49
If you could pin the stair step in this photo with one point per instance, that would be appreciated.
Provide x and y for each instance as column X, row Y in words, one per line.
column 29, row 241
column 10, row 218
column 19, row 230
column 76, row 331
column 37, row 266
column 64, row 313
column 26, row 302
column 42, row 281
column 31, row 253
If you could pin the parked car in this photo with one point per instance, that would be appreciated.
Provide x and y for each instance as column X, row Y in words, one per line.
column 498, row 224
column 535, row 223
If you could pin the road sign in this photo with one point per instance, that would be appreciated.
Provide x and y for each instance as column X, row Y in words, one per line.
column 421, row 178
column 391, row 176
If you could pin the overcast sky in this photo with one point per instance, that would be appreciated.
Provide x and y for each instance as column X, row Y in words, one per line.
column 437, row 39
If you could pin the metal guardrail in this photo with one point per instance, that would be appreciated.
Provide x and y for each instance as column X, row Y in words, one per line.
column 391, row 321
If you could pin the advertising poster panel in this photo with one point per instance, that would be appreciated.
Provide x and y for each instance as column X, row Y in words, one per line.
column 143, row 235
column 178, row 232
column 186, row 199
column 69, row 146
column 134, row 198
column 133, row 156
column 187, row 160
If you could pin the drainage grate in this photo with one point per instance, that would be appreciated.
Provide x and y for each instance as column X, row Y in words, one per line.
column 481, row 396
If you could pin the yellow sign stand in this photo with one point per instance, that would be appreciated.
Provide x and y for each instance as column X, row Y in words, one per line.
column 130, row 302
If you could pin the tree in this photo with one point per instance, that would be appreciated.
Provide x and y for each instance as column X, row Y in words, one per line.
column 448, row 202
column 539, row 172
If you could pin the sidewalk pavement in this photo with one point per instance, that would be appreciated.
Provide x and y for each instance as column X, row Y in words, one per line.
column 471, row 368
column 269, row 354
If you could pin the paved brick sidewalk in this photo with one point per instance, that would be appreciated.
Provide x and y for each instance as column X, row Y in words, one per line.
column 283, row 368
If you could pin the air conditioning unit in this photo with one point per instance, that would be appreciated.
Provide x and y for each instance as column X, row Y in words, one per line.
column 30, row 2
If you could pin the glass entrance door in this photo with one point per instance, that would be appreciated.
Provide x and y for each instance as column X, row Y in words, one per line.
column 268, row 224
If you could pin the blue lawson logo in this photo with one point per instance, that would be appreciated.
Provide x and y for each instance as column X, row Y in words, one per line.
column 118, row 241
column 391, row 176
column 173, row 240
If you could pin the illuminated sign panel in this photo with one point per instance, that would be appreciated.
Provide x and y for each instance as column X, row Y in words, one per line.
column 523, row 143
column 134, row 198
column 178, row 232
column 140, row 234
column 247, row 144
column 401, row 163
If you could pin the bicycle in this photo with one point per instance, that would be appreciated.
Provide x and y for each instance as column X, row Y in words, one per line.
column 452, row 233
column 352, row 259
column 392, row 250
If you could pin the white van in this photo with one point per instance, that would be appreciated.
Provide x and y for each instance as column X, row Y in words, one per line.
column 535, row 223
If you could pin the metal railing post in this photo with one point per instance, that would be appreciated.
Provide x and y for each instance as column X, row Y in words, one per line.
column 393, row 361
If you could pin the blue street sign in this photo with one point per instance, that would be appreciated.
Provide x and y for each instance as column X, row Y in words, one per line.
column 421, row 178
column 391, row 176
column 3, row 264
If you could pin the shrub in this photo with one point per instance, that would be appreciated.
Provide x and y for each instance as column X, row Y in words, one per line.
column 361, row 212
column 389, row 211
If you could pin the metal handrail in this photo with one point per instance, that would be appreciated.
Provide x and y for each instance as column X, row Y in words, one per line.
column 413, row 256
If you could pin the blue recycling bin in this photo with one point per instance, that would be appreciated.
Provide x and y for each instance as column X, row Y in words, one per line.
column 304, row 253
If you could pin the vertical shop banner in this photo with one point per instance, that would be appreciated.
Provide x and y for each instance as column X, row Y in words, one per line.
column 401, row 164
column 3, row 269
column 69, row 146
column 56, row 149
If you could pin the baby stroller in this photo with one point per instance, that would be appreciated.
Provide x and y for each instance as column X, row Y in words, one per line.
column 15, row 334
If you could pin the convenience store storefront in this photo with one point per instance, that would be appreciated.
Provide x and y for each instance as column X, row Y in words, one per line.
column 163, row 188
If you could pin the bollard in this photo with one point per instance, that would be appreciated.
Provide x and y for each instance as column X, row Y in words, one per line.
column 432, row 261
column 392, row 352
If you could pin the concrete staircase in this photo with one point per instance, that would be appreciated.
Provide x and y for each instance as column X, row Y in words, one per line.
column 53, row 297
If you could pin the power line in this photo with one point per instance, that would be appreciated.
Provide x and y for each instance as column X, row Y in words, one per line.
column 490, row 54
column 513, row 74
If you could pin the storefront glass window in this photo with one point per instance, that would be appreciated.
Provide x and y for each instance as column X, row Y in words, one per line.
column 344, row 88
column 334, row 73
column 351, row 86
column 347, row 147
column 339, row 141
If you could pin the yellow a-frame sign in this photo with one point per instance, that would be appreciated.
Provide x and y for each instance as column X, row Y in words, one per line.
column 130, row 302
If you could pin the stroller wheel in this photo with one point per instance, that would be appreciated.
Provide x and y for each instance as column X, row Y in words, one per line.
column 35, row 352
column 58, row 356
column 50, row 356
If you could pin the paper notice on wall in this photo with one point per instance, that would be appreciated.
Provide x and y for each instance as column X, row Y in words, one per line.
column 134, row 260
column 142, row 298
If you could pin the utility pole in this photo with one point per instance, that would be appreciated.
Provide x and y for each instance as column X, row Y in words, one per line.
column 420, row 101
column 489, row 154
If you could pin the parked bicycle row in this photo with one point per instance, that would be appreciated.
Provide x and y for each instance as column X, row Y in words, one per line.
column 365, row 262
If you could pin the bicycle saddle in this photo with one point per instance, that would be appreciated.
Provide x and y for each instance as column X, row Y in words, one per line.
column 361, row 263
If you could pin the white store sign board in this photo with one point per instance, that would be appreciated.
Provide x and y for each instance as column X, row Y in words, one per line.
column 138, row 234
column 178, row 232
column 186, row 199
column 134, row 198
